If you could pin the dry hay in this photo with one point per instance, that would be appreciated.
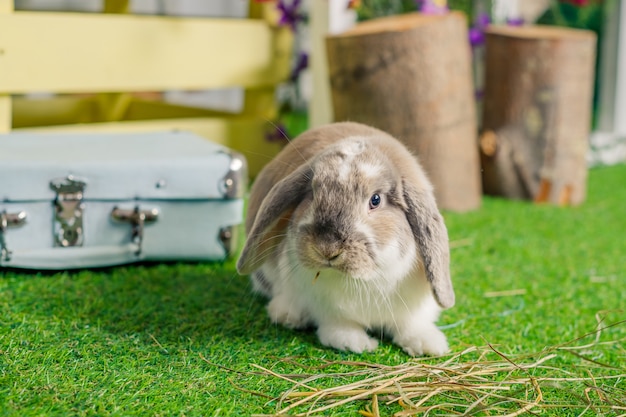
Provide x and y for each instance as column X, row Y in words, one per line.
column 476, row 381
column 455, row 387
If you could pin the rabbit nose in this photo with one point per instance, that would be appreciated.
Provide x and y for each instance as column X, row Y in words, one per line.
column 329, row 254
column 334, row 256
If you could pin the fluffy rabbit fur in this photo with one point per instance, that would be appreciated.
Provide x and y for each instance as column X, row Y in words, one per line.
column 344, row 234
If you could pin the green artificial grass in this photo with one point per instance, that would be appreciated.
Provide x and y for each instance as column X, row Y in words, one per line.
column 181, row 339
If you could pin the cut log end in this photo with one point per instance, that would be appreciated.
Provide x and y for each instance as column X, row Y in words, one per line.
column 534, row 32
column 396, row 23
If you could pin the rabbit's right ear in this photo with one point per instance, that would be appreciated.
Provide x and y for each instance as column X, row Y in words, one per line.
column 431, row 237
column 266, row 231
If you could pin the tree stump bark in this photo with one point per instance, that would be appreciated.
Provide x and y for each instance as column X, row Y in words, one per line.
column 537, row 113
column 410, row 75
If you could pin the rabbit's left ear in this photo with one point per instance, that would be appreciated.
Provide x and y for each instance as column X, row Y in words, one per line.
column 284, row 195
column 431, row 237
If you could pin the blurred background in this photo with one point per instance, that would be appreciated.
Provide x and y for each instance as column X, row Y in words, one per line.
column 248, row 74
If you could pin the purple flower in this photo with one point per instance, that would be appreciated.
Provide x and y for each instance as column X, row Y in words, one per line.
column 476, row 36
column 289, row 15
column 515, row 21
column 432, row 6
column 278, row 134
column 577, row 2
column 482, row 20
column 302, row 63
column 477, row 32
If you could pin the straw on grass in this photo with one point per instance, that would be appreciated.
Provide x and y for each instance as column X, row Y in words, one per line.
column 478, row 380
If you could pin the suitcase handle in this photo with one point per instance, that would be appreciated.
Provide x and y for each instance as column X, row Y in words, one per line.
column 74, row 257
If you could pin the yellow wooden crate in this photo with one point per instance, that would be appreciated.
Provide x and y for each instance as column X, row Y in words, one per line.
column 115, row 54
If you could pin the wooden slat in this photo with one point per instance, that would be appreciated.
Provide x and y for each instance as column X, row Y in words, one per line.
column 71, row 52
column 5, row 113
column 66, row 110
column 113, row 106
column 116, row 6
column 58, row 110
column 266, row 11
column 260, row 102
column 320, row 105
column 154, row 110
column 6, row 6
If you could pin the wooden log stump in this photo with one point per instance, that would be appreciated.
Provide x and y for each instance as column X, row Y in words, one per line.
column 410, row 75
column 537, row 113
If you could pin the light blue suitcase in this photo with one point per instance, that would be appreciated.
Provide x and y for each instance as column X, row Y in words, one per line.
column 90, row 200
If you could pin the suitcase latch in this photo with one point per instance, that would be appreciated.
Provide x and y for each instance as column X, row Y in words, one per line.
column 233, row 184
column 137, row 219
column 8, row 220
column 68, row 219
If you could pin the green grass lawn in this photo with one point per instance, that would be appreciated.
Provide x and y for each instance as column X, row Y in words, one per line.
column 158, row 339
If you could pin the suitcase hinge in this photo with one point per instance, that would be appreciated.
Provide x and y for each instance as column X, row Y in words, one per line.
column 68, row 219
column 137, row 219
column 8, row 220
column 227, row 239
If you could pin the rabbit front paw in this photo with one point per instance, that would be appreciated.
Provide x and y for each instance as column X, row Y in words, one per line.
column 427, row 340
column 285, row 312
column 352, row 338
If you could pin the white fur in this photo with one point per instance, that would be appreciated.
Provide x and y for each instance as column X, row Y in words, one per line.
column 344, row 309
column 349, row 147
column 370, row 170
column 352, row 145
column 395, row 265
column 343, row 170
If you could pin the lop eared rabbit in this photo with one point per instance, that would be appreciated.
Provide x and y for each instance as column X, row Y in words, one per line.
column 344, row 234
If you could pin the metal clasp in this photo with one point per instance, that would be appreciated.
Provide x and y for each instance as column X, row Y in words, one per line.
column 9, row 220
column 227, row 238
column 233, row 184
column 68, row 219
column 137, row 219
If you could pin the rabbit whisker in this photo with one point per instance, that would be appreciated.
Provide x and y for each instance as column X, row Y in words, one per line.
column 282, row 132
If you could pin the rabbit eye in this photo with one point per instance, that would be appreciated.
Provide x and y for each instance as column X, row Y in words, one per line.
column 375, row 201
